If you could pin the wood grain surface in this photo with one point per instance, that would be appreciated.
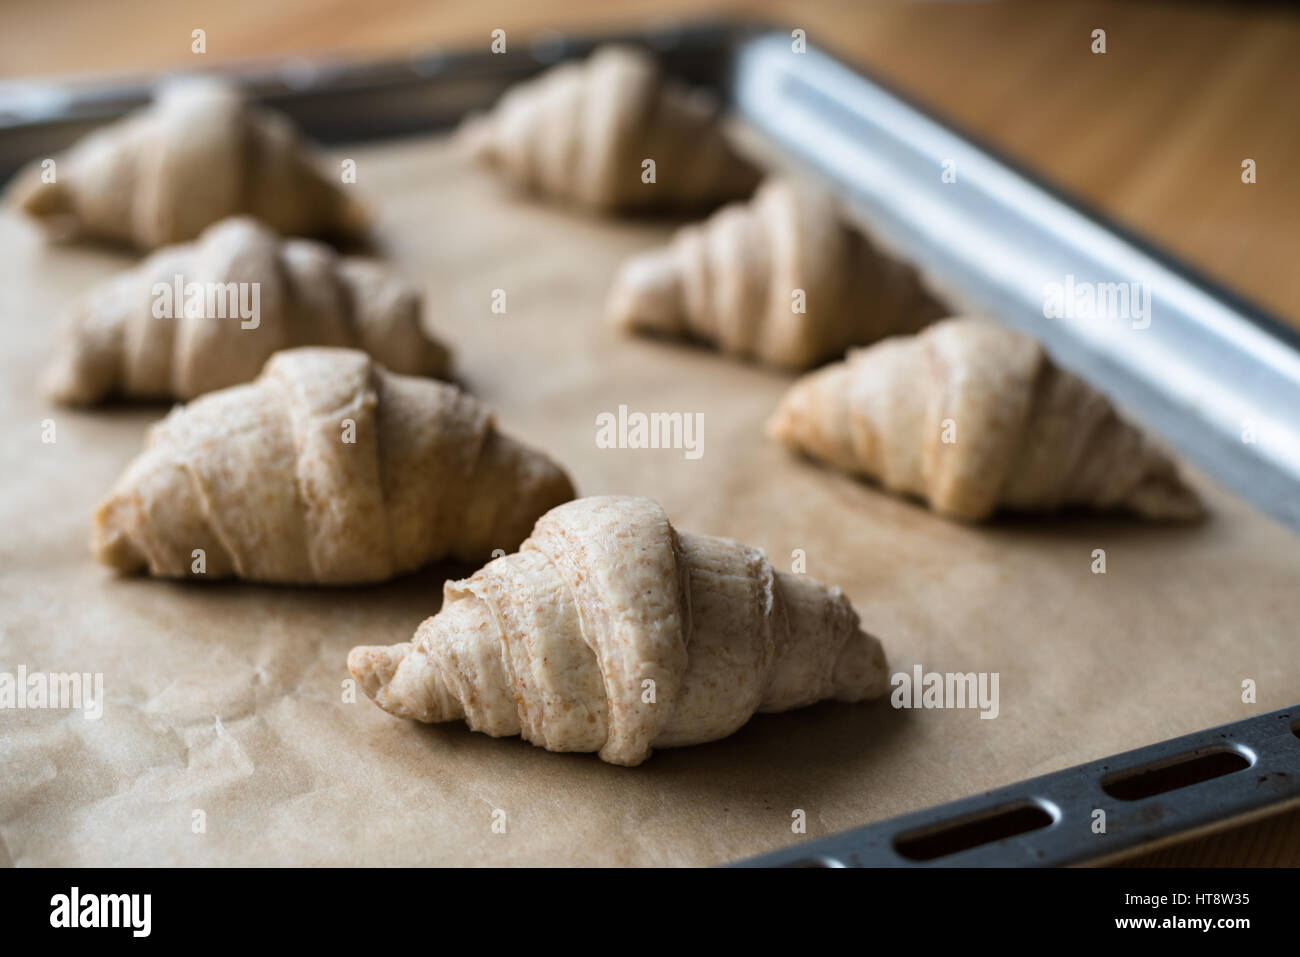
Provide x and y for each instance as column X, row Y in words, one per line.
column 1152, row 133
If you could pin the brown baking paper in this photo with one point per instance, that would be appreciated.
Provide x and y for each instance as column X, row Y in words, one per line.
column 225, row 737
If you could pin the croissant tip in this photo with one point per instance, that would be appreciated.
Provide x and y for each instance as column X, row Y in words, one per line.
column 875, row 663
column 60, row 384
column 112, row 546
column 48, row 203
column 794, row 413
column 1190, row 508
column 373, row 666
column 553, row 488
column 647, row 295
column 76, row 376
column 474, row 137
column 1162, row 496
column 28, row 193
column 561, row 488
column 1169, row 501
column 778, row 425
column 354, row 219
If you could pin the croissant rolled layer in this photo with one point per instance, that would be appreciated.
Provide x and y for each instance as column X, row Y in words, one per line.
column 972, row 417
column 198, row 154
column 610, row 631
column 205, row 315
column 324, row 470
column 583, row 133
column 781, row 279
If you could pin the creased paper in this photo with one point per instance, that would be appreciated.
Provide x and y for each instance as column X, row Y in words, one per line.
column 225, row 737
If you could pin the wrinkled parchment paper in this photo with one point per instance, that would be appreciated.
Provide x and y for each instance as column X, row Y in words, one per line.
column 227, row 699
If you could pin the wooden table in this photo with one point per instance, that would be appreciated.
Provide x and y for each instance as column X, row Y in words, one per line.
column 1152, row 133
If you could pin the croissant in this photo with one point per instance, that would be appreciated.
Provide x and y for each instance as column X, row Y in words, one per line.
column 328, row 470
column 256, row 294
column 581, row 132
column 610, row 631
column 198, row 154
column 970, row 417
column 781, row 279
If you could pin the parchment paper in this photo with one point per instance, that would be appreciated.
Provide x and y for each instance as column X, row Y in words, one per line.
column 227, row 699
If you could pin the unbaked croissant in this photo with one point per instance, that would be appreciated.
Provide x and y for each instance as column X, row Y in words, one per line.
column 782, row 279
column 972, row 417
column 327, row 469
column 198, row 154
column 610, row 631
column 255, row 295
column 581, row 132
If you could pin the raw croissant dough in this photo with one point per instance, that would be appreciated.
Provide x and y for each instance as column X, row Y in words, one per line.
column 581, row 131
column 307, row 295
column 558, row 641
column 1026, row 435
column 734, row 281
column 326, row 469
column 198, row 154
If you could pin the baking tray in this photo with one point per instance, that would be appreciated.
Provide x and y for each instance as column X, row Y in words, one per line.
column 1205, row 366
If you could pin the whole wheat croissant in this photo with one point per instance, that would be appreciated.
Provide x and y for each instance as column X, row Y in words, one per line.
column 198, row 154
column 581, row 131
column 782, row 279
column 116, row 339
column 609, row 631
column 326, row 469
column 971, row 416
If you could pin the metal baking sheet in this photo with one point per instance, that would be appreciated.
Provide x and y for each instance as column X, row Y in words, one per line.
column 1217, row 378
column 1203, row 369
column 1121, row 804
